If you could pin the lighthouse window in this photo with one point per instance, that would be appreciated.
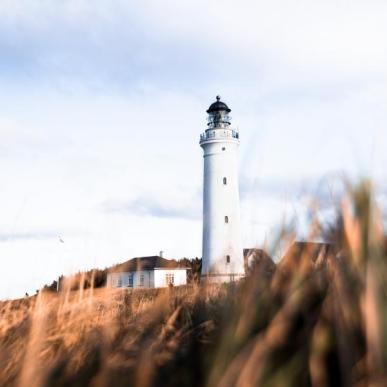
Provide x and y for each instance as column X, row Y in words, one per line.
column 227, row 259
column 223, row 148
column 225, row 180
column 226, row 219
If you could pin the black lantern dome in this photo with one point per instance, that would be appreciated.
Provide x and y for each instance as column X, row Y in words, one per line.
column 218, row 106
column 218, row 117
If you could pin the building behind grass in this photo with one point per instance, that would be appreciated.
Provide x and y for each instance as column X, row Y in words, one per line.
column 147, row 272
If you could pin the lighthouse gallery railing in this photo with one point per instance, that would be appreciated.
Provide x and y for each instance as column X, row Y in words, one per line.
column 213, row 134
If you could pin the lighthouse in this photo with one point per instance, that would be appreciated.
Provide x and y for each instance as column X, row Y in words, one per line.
column 222, row 255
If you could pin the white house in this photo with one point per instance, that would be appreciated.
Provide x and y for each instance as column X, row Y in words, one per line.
column 147, row 272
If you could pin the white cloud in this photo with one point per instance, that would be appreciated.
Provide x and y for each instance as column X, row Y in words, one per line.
column 103, row 102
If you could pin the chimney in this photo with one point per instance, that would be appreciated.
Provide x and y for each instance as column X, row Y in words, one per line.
column 161, row 254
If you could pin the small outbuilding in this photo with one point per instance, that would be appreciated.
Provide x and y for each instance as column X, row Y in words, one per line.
column 147, row 272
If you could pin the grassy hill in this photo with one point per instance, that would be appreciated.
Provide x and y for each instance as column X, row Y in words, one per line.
column 311, row 320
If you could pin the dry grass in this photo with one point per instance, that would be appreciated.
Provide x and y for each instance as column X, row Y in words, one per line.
column 100, row 335
column 312, row 320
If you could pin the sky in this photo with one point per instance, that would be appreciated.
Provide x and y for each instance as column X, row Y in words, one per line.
column 102, row 103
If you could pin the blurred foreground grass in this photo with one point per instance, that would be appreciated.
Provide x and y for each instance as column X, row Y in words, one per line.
column 311, row 320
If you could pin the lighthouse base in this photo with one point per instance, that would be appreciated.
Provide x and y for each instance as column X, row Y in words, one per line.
column 221, row 278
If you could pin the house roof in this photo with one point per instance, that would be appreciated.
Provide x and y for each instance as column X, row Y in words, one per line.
column 254, row 257
column 256, row 252
column 313, row 250
column 146, row 263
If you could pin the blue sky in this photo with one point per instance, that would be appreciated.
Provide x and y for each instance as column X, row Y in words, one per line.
column 102, row 104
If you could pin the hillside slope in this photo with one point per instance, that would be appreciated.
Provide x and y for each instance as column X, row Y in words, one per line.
column 311, row 320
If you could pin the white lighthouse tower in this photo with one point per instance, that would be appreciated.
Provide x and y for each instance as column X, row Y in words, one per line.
column 222, row 259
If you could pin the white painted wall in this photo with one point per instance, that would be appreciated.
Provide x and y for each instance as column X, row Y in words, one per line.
column 179, row 277
column 152, row 278
column 117, row 280
column 220, row 239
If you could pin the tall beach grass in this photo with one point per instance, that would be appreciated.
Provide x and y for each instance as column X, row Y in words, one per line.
column 316, row 318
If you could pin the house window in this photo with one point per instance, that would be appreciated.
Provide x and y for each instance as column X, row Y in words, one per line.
column 226, row 219
column 142, row 279
column 228, row 259
column 169, row 279
column 225, row 180
column 130, row 280
column 223, row 148
column 119, row 282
